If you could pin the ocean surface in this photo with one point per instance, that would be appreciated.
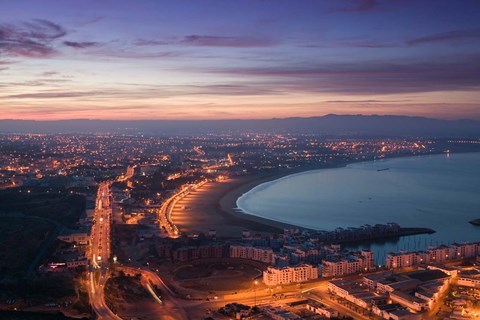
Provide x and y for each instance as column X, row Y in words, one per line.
column 441, row 192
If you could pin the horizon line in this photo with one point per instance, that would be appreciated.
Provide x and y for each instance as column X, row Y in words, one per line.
column 247, row 119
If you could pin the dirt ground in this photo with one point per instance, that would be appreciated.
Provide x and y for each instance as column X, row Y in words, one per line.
column 222, row 276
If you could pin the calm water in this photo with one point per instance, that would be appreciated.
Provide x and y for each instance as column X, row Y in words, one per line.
column 441, row 192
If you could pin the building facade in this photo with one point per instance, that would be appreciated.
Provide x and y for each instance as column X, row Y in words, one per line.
column 275, row 276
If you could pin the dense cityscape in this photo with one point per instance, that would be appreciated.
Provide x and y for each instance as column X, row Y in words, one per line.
column 105, row 218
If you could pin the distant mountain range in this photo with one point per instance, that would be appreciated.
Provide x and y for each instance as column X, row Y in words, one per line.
column 334, row 125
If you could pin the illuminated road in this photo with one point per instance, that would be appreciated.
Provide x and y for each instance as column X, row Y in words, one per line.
column 165, row 211
column 99, row 252
column 171, row 307
column 316, row 290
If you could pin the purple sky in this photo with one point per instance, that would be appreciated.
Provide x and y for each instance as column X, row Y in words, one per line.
column 238, row 59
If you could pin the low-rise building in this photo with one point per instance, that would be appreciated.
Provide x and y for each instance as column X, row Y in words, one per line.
column 452, row 272
column 394, row 311
column 469, row 278
column 321, row 309
column 356, row 262
column 81, row 262
column 343, row 288
column 264, row 255
column 275, row 276
column 278, row 313
column 81, row 237
column 190, row 253
column 356, row 293
column 409, row 301
column 401, row 260
column 433, row 255
column 417, row 290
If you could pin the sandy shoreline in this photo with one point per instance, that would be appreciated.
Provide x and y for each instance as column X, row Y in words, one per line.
column 213, row 207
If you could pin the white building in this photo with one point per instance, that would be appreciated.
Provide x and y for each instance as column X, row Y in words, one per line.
column 273, row 276
column 395, row 311
column 321, row 309
column 410, row 301
column 469, row 278
column 465, row 250
column 401, row 260
column 82, row 238
column 433, row 255
column 355, row 263
column 82, row 262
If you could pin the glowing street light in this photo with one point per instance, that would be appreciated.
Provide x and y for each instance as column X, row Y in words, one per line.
column 256, row 283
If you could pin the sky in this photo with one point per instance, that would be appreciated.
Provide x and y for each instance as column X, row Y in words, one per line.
column 222, row 59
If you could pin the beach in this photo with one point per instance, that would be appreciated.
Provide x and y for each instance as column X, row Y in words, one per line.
column 213, row 207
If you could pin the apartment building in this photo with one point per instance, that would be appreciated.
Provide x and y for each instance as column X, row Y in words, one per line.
column 356, row 262
column 276, row 276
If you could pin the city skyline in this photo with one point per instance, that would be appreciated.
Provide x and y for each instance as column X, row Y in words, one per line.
column 238, row 60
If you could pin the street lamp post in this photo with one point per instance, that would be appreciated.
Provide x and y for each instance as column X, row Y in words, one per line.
column 256, row 282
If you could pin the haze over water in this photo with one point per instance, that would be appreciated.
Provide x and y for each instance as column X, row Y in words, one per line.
column 441, row 192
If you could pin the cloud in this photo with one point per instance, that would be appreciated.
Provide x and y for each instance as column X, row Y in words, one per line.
column 375, row 77
column 368, row 44
column 129, row 91
column 210, row 41
column 49, row 73
column 365, row 101
column 454, row 36
column 59, row 94
column 216, row 41
column 355, row 43
column 90, row 21
column 80, row 45
column 144, row 42
column 30, row 39
column 357, row 6
column 43, row 29
column 231, row 89
column 450, row 36
column 129, row 54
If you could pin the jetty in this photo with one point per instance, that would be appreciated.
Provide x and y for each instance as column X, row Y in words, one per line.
column 475, row 222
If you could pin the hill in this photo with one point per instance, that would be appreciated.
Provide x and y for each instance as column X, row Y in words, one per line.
column 335, row 125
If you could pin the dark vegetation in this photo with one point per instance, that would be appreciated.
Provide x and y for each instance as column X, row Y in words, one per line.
column 64, row 209
column 124, row 289
column 27, row 220
column 19, row 315
column 20, row 239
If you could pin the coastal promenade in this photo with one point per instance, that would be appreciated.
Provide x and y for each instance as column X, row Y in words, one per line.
column 165, row 211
